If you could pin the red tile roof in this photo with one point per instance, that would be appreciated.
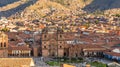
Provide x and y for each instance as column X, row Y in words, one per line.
column 19, row 48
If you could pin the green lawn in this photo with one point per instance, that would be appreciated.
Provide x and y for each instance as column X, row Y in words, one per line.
column 98, row 64
column 70, row 60
column 53, row 63
column 64, row 60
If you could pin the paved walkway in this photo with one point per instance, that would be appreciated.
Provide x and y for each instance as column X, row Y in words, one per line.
column 103, row 60
column 40, row 63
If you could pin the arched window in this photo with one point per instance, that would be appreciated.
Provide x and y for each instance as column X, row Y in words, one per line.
column 60, row 46
column 53, row 54
column 65, row 54
column 4, row 44
column 1, row 44
column 76, row 54
column 44, row 46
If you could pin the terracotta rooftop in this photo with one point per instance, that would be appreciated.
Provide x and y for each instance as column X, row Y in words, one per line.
column 20, row 34
column 19, row 48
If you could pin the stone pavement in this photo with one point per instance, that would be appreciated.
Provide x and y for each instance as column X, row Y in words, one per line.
column 41, row 63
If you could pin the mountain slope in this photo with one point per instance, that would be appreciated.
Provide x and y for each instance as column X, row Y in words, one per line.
column 102, row 5
column 90, row 5
column 73, row 3
column 43, row 8
column 6, row 2
column 15, row 7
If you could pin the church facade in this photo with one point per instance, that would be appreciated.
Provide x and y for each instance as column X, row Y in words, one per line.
column 3, row 45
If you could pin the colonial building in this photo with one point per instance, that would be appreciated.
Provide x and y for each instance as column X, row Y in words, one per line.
column 17, row 45
column 3, row 45
column 53, row 44
column 113, row 53
column 12, row 44
column 19, row 51
column 86, row 51
column 56, row 43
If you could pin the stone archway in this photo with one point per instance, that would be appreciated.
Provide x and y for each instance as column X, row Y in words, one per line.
column 65, row 54
column 53, row 54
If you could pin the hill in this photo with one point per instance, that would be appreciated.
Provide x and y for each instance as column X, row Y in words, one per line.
column 90, row 5
column 12, row 7
column 6, row 2
column 102, row 5
column 43, row 8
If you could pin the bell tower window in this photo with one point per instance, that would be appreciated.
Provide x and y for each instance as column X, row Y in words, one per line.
column 0, row 44
column 45, row 47
column 60, row 46
column 4, row 44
